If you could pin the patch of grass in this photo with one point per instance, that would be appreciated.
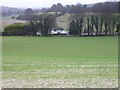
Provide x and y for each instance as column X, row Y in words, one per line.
column 74, row 48
column 59, row 57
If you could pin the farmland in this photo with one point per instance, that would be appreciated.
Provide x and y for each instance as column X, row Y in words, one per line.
column 60, row 62
column 62, row 21
column 8, row 20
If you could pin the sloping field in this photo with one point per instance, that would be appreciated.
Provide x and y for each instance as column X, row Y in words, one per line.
column 50, row 62
column 62, row 21
column 8, row 20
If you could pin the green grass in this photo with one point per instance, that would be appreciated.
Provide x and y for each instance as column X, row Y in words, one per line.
column 59, row 57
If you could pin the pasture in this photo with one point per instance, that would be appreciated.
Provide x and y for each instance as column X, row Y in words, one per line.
column 77, row 62
column 8, row 20
column 62, row 21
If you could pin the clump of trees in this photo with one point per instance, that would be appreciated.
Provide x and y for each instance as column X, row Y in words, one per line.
column 106, row 7
column 119, row 7
column 44, row 24
column 28, row 14
column 35, row 23
column 94, row 24
column 15, row 30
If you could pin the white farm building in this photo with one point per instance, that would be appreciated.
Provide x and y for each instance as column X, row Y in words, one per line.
column 59, row 31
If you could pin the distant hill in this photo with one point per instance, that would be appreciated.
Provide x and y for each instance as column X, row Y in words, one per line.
column 90, row 5
column 62, row 21
column 8, row 11
column 101, row 7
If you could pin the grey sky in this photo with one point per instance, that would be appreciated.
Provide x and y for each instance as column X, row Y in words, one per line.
column 43, row 3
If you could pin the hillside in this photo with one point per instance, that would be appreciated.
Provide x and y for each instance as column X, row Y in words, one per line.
column 8, row 20
column 62, row 21
column 8, row 11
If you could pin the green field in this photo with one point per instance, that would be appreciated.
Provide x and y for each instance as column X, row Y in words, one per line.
column 60, row 61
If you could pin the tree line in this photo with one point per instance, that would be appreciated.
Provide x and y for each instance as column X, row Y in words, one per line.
column 111, row 7
column 82, row 24
column 94, row 24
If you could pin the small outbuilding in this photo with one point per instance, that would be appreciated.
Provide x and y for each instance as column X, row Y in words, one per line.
column 59, row 31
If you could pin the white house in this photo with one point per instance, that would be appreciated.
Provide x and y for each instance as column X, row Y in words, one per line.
column 59, row 32
column 55, row 31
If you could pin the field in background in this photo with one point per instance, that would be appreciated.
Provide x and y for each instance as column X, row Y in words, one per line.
column 8, row 20
column 60, row 62
column 62, row 21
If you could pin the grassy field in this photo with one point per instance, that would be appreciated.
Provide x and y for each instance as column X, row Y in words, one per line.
column 60, row 62
column 8, row 20
column 62, row 21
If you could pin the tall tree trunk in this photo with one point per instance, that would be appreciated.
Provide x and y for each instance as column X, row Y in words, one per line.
column 113, row 28
column 96, row 24
column 88, row 26
column 101, row 25
column 77, row 27
column 106, row 29
column 33, row 28
column 92, row 24
column 81, row 22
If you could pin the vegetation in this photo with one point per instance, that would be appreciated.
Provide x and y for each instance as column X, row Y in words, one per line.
column 9, row 11
column 8, row 20
column 94, row 24
column 89, row 60
column 98, row 19
column 111, row 7
column 43, row 23
column 59, row 61
column 119, row 7
column 83, row 24
column 28, row 15
column 18, row 29
column 62, row 21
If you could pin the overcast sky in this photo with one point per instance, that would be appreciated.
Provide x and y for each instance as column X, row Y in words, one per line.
column 43, row 3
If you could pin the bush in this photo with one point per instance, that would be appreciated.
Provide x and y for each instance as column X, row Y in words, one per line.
column 16, row 29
